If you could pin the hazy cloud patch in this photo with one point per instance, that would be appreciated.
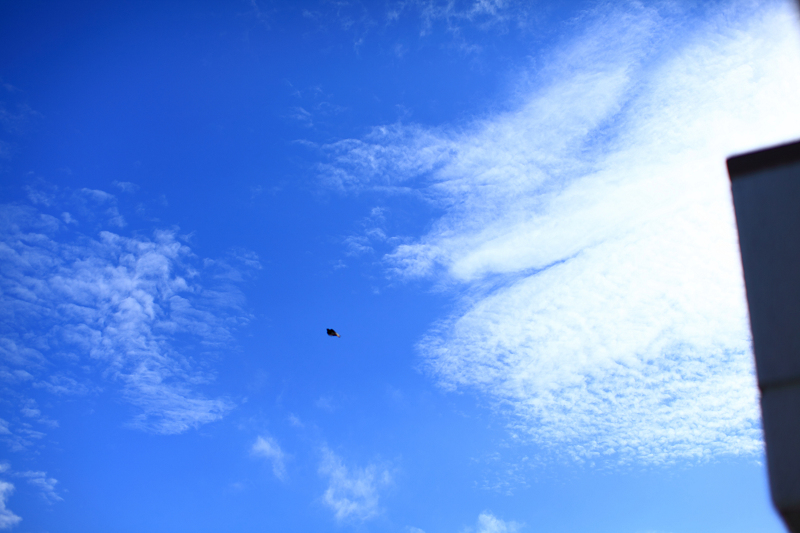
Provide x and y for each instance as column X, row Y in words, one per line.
column 352, row 493
column 268, row 448
column 46, row 485
column 126, row 186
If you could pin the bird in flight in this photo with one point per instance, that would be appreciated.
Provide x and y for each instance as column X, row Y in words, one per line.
column 333, row 333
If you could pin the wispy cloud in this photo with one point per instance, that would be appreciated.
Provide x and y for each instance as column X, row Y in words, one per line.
column 31, row 410
column 144, row 312
column 63, row 384
column 46, row 485
column 373, row 232
column 39, row 480
column 479, row 14
column 352, row 493
column 589, row 228
column 96, row 201
column 7, row 518
column 17, row 119
column 268, row 448
column 462, row 24
column 126, row 186
column 488, row 523
column 261, row 16
column 326, row 403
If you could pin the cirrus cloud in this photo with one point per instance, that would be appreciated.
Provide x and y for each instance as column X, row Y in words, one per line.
column 142, row 312
column 590, row 232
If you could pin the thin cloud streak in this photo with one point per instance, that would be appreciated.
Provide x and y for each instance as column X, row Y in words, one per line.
column 590, row 229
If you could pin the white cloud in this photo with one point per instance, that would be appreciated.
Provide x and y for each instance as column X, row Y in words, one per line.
column 352, row 493
column 591, row 231
column 46, row 485
column 139, row 310
column 7, row 518
column 488, row 523
column 268, row 448
column 373, row 232
column 30, row 410
column 62, row 384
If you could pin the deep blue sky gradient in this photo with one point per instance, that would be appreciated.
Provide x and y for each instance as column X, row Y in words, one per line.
column 199, row 105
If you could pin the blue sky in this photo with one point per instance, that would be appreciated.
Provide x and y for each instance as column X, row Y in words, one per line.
column 516, row 215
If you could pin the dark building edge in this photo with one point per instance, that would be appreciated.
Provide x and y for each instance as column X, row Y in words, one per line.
column 744, row 164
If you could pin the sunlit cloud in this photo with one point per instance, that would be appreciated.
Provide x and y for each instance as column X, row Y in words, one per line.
column 352, row 493
column 589, row 229
column 143, row 312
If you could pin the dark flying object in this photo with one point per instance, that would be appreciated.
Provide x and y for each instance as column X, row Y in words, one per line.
column 333, row 333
